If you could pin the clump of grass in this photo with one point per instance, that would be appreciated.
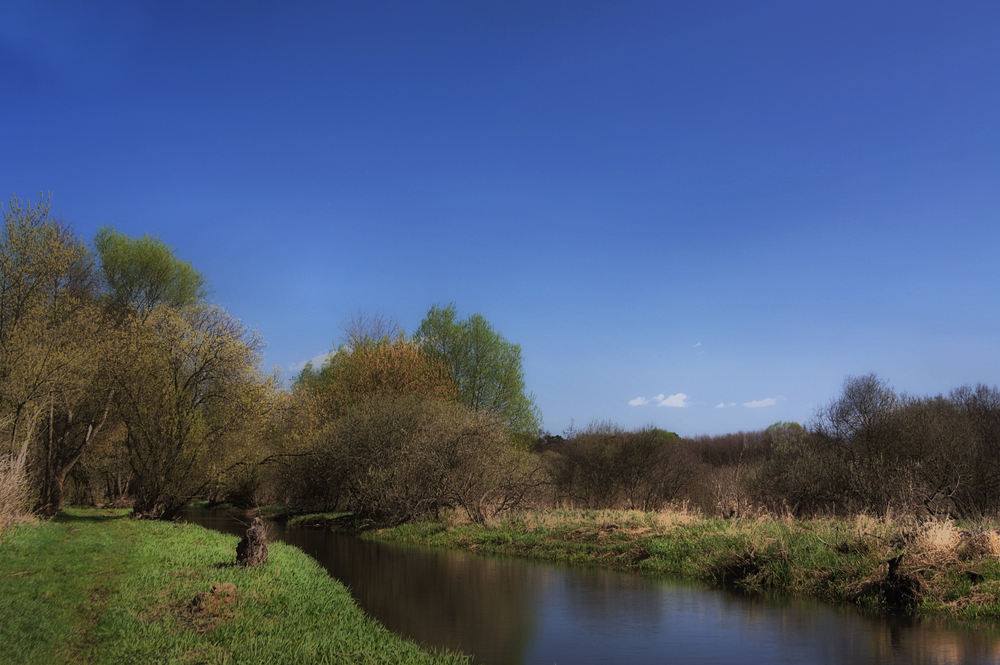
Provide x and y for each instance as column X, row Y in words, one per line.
column 979, row 545
column 93, row 586
column 938, row 539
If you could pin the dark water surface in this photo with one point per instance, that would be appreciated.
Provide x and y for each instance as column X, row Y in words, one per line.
column 514, row 612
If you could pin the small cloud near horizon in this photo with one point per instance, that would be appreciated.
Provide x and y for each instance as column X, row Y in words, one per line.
column 752, row 404
column 760, row 403
column 317, row 361
column 677, row 400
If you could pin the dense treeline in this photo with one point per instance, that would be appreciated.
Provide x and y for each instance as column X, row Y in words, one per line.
column 120, row 383
column 870, row 450
column 605, row 465
column 116, row 376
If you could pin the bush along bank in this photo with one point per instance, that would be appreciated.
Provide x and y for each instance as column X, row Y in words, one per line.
column 880, row 564
column 95, row 586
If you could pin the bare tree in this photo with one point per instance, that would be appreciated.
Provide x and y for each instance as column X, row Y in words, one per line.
column 361, row 329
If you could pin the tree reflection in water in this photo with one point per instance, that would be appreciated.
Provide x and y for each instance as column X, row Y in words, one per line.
column 438, row 598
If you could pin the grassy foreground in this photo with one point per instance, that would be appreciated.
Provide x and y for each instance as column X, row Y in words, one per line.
column 94, row 586
column 882, row 565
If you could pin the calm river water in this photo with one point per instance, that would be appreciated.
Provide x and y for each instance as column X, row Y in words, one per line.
column 514, row 612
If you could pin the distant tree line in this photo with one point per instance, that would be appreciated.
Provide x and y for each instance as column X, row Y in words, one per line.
column 870, row 450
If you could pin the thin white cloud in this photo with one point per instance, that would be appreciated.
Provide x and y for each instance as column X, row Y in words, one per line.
column 760, row 403
column 317, row 362
column 725, row 405
column 678, row 400
column 697, row 345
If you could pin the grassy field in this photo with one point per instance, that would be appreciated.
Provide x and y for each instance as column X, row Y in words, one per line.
column 94, row 586
column 940, row 568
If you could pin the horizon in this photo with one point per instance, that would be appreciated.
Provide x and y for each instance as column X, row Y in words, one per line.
column 700, row 219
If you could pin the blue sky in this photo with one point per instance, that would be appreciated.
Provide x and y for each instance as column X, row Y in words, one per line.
column 673, row 205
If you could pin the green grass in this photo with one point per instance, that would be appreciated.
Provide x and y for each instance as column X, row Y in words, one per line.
column 837, row 560
column 289, row 515
column 94, row 586
column 320, row 519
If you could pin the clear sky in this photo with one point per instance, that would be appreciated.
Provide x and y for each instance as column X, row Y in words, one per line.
column 700, row 215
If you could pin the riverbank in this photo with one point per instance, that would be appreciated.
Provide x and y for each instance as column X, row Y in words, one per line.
column 881, row 565
column 94, row 586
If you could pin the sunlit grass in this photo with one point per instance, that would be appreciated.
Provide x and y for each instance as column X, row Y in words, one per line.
column 93, row 586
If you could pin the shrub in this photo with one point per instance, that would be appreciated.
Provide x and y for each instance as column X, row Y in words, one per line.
column 606, row 466
column 395, row 458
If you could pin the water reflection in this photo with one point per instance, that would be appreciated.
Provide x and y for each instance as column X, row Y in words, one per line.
column 437, row 598
column 513, row 612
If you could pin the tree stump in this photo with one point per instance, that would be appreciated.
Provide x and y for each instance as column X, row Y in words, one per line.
column 252, row 550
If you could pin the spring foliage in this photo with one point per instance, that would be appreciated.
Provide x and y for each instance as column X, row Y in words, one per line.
column 485, row 366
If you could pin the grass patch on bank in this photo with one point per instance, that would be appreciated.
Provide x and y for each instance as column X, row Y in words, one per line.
column 337, row 520
column 882, row 565
column 320, row 520
column 95, row 586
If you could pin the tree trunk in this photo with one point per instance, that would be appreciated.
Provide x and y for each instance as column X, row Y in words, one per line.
column 252, row 549
column 52, row 492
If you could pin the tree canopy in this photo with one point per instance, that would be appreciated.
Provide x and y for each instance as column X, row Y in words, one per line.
column 142, row 273
column 375, row 367
column 484, row 365
column 43, row 274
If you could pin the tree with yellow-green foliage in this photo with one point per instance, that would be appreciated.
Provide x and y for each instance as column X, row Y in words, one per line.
column 46, row 290
column 376, row 367
column 142, row 273
column 485, row 366
column 187, row 382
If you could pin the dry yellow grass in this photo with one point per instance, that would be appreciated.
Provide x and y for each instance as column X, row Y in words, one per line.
column 939, row 538
column 636, row 521
column 14, row 495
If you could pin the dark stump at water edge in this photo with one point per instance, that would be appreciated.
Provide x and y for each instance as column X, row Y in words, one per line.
column 252, row 550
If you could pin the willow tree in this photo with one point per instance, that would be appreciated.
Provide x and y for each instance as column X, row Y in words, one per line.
column 485, row 366
column 143, row 273
column 187, row 382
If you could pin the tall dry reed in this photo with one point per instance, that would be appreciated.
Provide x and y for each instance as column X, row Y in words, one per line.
column 14, row 495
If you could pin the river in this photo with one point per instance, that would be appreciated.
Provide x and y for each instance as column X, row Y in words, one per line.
column 515, row 612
